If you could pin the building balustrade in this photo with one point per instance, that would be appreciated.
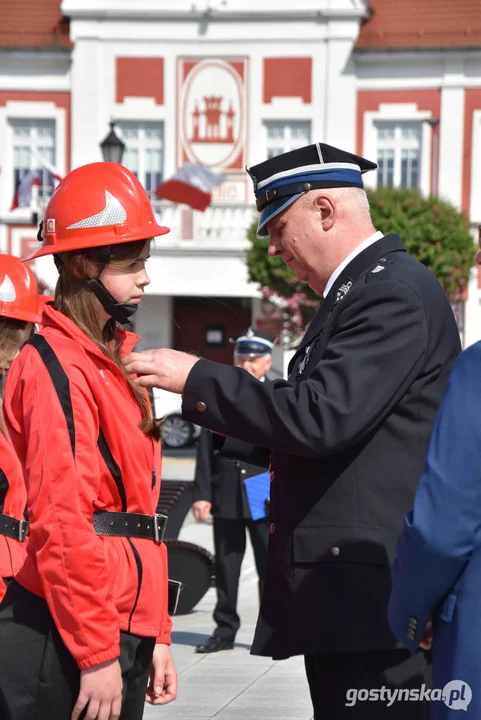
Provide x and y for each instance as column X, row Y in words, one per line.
column 219, row 226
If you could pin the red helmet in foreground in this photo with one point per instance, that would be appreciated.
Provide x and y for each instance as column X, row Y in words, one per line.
column 96, row 205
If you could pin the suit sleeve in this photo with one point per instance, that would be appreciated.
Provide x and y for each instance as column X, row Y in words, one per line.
column 62, row 487
column 376, row 352
column 440, row 532
column 202, row 489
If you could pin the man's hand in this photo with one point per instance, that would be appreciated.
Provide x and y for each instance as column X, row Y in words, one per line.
column 162, row 687
column 201, row 510
column 164, row 369
column 427, row 639
column 101, row 690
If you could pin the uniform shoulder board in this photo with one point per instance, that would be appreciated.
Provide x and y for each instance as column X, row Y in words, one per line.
column 379, row 270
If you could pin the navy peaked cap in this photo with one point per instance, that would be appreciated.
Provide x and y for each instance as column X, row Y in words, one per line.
column 253, row 342
column 282, row 179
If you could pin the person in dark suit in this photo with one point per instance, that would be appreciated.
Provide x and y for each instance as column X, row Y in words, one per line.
column 219, row 489
column 346, row 434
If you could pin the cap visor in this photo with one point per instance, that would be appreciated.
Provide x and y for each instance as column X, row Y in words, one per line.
column 273, row 209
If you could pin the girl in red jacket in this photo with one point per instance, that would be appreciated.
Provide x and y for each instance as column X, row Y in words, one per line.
column 18, row 313
column 84, row 627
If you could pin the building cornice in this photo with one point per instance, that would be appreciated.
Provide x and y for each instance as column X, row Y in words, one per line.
column 191, row 11
column 35, row 51
column 410, row 53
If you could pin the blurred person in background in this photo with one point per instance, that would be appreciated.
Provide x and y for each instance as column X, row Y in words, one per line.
column 219, row 488
column 19, row 313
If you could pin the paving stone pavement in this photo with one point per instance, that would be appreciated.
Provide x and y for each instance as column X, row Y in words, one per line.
column 232, row 684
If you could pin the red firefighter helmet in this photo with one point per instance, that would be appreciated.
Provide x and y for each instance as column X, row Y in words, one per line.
column 96, row 205
column 18, row 290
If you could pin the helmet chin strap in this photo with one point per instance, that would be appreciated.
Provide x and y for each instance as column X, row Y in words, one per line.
column 121, row 312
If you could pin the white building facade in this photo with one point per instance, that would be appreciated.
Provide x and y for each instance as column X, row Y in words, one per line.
column 229, row 83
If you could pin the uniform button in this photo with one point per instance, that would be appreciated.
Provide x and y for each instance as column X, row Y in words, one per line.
column 201, row 407
column 411, row 635
column 272, row 528
column 243, row 471
column 335, row 551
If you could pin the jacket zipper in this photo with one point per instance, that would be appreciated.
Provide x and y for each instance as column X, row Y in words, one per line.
column 138, row 562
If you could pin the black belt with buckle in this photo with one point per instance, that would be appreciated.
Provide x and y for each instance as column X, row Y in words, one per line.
column 13, row 528
column 121, row 524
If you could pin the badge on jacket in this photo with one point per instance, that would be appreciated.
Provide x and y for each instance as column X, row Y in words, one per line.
column 343, row 290
column 304, row 361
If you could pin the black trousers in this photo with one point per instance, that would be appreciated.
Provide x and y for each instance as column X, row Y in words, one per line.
column 335, row 680
column 230, row 546
column 39, row 679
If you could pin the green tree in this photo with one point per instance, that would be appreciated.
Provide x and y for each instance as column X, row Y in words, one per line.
column 431, row 229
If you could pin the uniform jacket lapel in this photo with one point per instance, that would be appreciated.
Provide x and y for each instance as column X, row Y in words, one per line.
column 352, row 272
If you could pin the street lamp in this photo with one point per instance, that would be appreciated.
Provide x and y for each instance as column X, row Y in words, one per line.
column 434, row 124
column 112, row 146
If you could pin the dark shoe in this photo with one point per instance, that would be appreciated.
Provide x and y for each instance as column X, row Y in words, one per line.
column 214, row 644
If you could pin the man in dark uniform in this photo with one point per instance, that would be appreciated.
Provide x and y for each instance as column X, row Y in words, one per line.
column 346, row 434
column 219, row 488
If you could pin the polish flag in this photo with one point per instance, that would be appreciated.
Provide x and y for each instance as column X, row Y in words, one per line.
column 24, row 189
column 46, row 165
column 191, row 185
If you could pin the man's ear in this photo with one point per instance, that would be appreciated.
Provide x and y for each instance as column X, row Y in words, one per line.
column 327, row 211
column 268, row 363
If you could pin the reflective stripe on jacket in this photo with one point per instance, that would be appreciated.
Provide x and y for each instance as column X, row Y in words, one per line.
column 60, row 404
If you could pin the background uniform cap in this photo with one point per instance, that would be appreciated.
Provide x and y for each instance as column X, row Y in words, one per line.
column 18, row 290
column 96, row 205
column 281, row 180
column 254, row 343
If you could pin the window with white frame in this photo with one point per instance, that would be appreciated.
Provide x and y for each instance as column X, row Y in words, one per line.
column 34, row 139
column 144, row 152
column 283, row 136
column 399, row 154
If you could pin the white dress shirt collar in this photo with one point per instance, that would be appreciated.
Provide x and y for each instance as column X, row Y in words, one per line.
column 357, row 250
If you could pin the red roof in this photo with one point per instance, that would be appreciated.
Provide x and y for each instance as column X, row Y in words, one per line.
column 422, row 24
column 393, row 24
column 33, row 24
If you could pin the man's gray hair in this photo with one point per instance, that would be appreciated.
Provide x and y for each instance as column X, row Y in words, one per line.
column 354, row 196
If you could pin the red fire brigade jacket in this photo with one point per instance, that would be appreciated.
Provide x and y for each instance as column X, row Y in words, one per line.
column 58, row 409
column 13, row 500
